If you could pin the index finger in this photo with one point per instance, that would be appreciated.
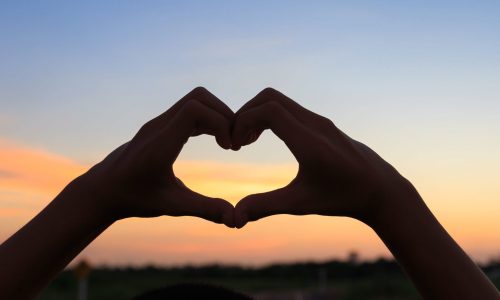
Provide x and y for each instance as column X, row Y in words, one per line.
column 302, row 114
column 199, row 94
column 206, row 97
column 272, row 115
column 193, row 118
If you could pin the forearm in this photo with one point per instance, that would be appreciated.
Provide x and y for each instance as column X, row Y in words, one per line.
column 35, row 254
column 437, row 265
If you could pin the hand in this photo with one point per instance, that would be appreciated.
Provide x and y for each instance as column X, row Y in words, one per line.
column 337, row 175
column 137, row 179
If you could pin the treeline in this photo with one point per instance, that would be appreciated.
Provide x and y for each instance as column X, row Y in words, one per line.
column 331, row 269
column 382, row 278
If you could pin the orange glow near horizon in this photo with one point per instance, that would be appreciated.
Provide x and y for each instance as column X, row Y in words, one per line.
column 30, row 178
column 233, row 181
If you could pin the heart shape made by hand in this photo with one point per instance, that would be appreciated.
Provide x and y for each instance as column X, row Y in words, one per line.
column 337, row 175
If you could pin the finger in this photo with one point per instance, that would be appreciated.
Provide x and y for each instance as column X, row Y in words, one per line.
column 200, row 94
column 194, row 117
column 258, row 206
column 189, row 203
column 272, row 115
column 302, row 114
column 252, row 137
column 206, row 97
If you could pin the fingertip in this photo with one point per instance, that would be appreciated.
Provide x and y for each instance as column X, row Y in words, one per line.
column 240, row 134
column 225, row 145
column 224, row 142
column 241, row 219
column 235, row 146
column 239, row 142
column 228, row 219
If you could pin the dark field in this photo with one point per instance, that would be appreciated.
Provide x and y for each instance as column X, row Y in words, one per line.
column 381, row 279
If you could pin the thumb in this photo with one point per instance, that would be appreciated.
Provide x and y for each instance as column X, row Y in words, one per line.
column 257, row 206
column 194, row 204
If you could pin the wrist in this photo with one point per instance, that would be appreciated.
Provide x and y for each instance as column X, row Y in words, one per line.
column 397, row 199
column 82, row 198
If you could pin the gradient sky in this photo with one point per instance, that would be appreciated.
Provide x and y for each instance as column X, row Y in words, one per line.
column 416, row 81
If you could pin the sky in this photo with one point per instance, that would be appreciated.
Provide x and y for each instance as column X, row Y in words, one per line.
column 416, row 81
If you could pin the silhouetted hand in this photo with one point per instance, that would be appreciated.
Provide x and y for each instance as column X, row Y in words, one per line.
column 137, row 179
column 337, row 175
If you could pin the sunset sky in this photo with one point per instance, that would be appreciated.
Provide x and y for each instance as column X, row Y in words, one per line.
column 416, row 81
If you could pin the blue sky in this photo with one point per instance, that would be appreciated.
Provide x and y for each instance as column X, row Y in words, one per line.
column 79, row 79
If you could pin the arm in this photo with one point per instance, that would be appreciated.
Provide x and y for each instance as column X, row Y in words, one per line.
column 135, row 180
column 43, row 247
column 339, row 176
column 438, row 267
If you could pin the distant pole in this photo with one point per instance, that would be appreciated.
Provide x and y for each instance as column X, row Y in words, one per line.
column 82, row 271
column 353, row 257
column 82, row 289
column 322, row 279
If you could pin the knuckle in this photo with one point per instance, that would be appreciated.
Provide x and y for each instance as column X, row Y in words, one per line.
column 199, row 90
column 269, row 92
column 327, row 122
column 146, row 128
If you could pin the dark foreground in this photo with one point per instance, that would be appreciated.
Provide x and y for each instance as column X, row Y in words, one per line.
column 381, row 279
